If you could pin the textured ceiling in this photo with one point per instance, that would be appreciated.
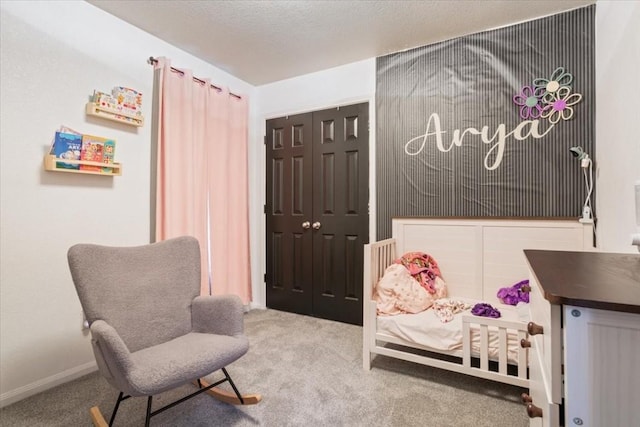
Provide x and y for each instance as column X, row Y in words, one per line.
column 265, row 41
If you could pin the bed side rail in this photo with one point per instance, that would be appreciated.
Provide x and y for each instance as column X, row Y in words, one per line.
column 502, row 326
column 377, row 257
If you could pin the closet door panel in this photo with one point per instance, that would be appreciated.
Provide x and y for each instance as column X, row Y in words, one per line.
column 289, row 148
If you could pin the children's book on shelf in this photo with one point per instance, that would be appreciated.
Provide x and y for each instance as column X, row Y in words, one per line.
column 121, row 100
column 67, row 146
column 92, row 151
column 109, row 150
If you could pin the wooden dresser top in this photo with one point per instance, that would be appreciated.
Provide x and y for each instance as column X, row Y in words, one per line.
column 606, row 281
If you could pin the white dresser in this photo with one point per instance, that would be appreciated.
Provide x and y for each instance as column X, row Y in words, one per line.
column 584, row 358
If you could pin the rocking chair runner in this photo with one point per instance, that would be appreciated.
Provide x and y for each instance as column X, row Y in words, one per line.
column 151, row 331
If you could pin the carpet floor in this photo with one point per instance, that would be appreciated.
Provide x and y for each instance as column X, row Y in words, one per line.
column 309, row 372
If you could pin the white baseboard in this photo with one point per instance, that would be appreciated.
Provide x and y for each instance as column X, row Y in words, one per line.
column 39, row 386
column 255, row 305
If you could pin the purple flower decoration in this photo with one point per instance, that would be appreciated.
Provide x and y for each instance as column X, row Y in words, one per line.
column 559, row 105
column 485, row 310
column 515, row 294
column 529, row 101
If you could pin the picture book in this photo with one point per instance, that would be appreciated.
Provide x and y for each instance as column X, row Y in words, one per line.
column 67, row 146
column 108, row 152
column 92, row 151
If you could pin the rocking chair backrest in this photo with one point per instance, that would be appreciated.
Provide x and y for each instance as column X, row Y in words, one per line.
column 144, row 292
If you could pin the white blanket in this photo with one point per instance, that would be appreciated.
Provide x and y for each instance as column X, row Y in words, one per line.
column 426, row 329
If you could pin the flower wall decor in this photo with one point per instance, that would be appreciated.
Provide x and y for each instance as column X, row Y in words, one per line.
column 529, row 101
column 559, row 78
column 548, row 98
column 559, row 104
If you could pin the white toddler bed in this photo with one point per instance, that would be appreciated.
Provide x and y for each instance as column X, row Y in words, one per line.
column 477, row 257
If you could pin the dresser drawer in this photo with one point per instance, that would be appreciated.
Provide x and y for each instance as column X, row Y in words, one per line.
column 550, row 416
column 547, row 344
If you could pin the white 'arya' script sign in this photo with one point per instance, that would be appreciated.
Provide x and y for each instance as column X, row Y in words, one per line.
column 524, row 130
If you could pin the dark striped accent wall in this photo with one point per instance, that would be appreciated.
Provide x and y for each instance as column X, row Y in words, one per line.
column 469, row 83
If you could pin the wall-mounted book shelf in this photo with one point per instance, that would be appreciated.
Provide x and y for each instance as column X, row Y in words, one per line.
column 98, row 110
column 50, row 165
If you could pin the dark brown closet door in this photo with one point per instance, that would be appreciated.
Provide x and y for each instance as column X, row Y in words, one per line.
column 317, row 217
column 340, row 209
column 289, row 213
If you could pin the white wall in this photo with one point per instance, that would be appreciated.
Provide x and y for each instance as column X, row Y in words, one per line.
column 54, row 54
column 617, row 114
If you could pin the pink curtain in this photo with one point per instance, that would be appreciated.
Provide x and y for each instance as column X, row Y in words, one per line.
column 202, row 177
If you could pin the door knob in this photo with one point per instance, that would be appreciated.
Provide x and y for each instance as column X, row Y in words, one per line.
column 306, row 225
column 316, row 225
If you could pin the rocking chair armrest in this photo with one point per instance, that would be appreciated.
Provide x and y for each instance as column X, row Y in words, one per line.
column 110, row 349
column 221, row 315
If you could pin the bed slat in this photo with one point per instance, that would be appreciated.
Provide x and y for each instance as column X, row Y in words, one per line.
column 502, row 355
column 484, row 347
column 466, row 347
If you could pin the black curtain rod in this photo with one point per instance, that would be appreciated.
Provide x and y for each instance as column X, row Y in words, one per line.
column 153, row 61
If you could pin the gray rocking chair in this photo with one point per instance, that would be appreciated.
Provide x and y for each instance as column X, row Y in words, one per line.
column 151, row 331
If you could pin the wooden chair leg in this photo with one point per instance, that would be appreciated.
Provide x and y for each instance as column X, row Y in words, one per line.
column 232, row 398
column 97, row 418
